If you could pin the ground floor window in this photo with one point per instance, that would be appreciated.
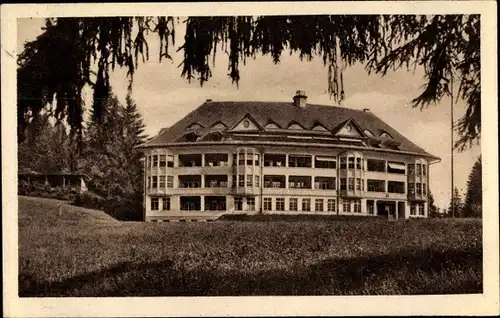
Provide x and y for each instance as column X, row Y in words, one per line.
column 215, row 203
column 268, row 204
column 370, row 206
column 412, row 209
column 166, row 203
column 306, row 204
column 318, row 205
column 292, row 204
column 357, row 206
column 238, row 204
column 280, row 204
column 421, row 209
column 331, row 205
column 346, row 206
column 251, row 204
column 190, row 203
column 155, row 204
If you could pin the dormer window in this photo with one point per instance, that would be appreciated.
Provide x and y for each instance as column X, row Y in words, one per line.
column 385, row 135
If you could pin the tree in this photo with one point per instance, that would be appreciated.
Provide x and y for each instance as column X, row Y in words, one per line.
column 433, row 210
column 474, row 198
column 58, row 64
column 456, row 204
column 110, row 159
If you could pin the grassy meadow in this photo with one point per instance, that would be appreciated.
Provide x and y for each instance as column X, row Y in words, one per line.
column 81, row 252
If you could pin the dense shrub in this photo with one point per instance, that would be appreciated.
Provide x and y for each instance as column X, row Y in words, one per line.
column 125, row 209
column 37, row 189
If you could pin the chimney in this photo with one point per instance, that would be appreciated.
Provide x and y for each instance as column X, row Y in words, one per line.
column 366, row 110
column 300, row 99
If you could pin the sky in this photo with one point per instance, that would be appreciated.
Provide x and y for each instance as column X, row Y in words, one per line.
column 163, row 97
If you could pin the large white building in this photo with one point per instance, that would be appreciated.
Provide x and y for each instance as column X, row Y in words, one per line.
column 283, row 157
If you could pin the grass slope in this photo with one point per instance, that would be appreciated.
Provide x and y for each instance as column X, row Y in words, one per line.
column 84, row 252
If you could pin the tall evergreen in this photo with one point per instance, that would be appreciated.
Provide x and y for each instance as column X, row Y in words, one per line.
column 474, row 198
column 433, row 210
column 456, row 203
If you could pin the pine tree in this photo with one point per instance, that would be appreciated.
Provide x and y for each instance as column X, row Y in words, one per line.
column 112, row 161
column 433, row 210
column 456, row 204
column 473, row 201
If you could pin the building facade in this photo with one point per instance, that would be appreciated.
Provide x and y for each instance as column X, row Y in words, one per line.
column 287, row 158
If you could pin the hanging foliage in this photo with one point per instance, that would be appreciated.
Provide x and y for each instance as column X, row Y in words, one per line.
column 59, row 63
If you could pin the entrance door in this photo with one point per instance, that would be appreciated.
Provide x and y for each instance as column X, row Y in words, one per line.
column 401, row 210
column 386, row 208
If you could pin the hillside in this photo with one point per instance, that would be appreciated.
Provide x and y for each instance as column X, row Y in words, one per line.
column 82, row 252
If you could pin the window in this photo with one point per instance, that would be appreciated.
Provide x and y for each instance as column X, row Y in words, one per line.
column 257, row 181
column 324, row 183
column 351, row 162
column 280, row 204
column 343, row 184
column 162, row 181
column 325, row 162
column 241, row 181
column 163, row 160
column 149, row 183
column 299, row 182
column 411, row 168
column 351, row 184
column 318, row 205
column 346, row 206
column 154, row 204
column 166, row 204
column 257, row 159
column 358, row 163
column 190, row 160
column 251, row 204
column 155, row 182
column 343, row 161
column 268, row 204
column 358, row 184
column 357, row 206
column 395, row 187
column 419, row 169
column 148, row 161
column 375, row 165
column 411, row 188
column 155, row 161
column 424, row 170
column 170, row 181
column 421, row 209
column 170, row 161
column 249, row 181
column 274, row 160
column 374, row 185
column 238, row 204
column 371, row 206
column 293, row 204
column 424, row 189
column 274, row 181
column 330, row 205
column 419, row 188
column 396, row 167
column 306, row 204
column 300, row 161
column 412, row 209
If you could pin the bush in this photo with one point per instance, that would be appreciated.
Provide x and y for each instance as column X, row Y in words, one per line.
column 37, row 189
column 121, row 208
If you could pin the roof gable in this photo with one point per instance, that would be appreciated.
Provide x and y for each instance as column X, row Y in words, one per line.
column 295, row 126
column 247, row 123
column 319, row 127
column 350, row 128
column 271, row 125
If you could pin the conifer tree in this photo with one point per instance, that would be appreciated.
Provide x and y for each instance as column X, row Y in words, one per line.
column 473, row 201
